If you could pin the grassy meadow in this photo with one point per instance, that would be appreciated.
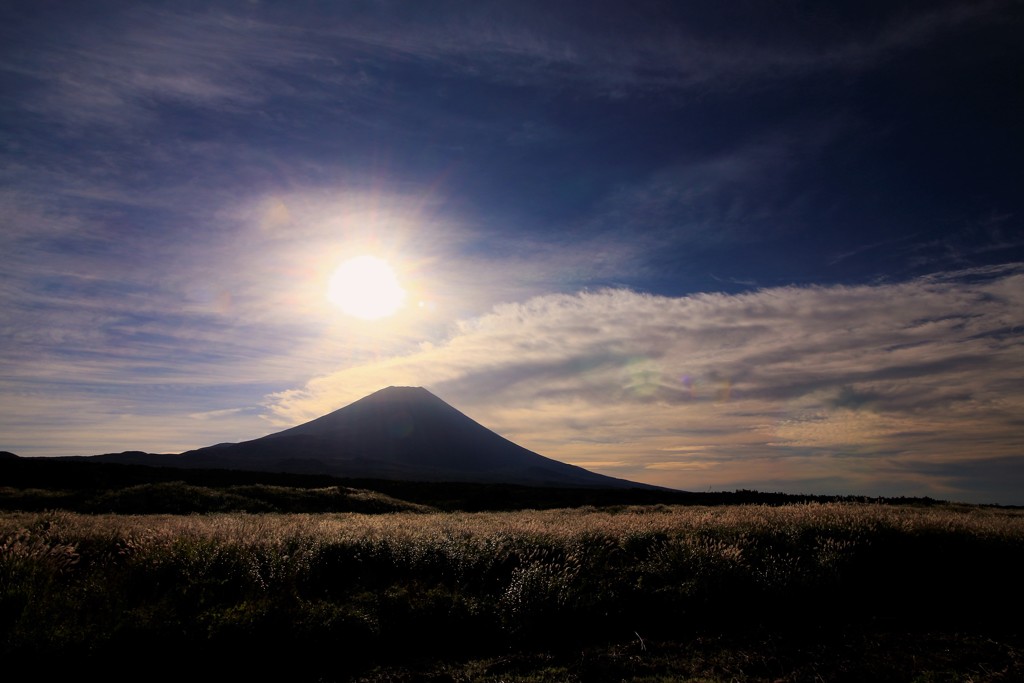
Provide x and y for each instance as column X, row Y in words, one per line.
column 809, row 591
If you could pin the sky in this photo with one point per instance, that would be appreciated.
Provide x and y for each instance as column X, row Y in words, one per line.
column 704, row 245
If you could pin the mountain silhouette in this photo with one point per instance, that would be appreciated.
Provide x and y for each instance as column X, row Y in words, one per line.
column 404, row 433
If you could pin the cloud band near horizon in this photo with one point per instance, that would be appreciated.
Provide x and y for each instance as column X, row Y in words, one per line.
column 849, row 389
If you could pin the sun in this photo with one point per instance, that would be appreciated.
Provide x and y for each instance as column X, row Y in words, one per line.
column 366, row 287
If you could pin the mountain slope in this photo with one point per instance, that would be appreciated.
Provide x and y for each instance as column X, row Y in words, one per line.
column 395, row 433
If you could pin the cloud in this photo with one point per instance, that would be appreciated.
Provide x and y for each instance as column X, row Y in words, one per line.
column 115, row 67
column 786, row 384
column 744, row 193
column 651, row 46
column 89, row 420
column 118, row 66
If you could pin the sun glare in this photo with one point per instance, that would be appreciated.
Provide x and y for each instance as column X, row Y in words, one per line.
column 366, row 287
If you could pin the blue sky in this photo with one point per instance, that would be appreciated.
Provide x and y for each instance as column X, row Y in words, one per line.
column 705, row 245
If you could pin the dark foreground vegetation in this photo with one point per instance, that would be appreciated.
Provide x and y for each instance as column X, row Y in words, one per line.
column 85, row 486
column 833, row 591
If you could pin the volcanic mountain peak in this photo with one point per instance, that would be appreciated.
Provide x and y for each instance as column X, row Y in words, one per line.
column 398, row 411
column 383, row 403
column 396, row 391
column 396, row 433
column 402, row 396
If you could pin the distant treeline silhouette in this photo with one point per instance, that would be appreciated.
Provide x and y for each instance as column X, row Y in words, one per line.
column 88, row 486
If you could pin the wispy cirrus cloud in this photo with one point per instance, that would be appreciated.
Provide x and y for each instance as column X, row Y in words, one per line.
column 136, row 58
column 718, row 197
column 775, row 386
column 651, row 46
column 130, row 60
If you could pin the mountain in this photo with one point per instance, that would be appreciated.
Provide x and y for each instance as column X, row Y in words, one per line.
column 401, row 433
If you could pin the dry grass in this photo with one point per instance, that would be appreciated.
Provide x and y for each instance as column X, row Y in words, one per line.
column 465, row 583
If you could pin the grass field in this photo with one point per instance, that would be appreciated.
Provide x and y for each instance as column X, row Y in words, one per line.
column 835, row 591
